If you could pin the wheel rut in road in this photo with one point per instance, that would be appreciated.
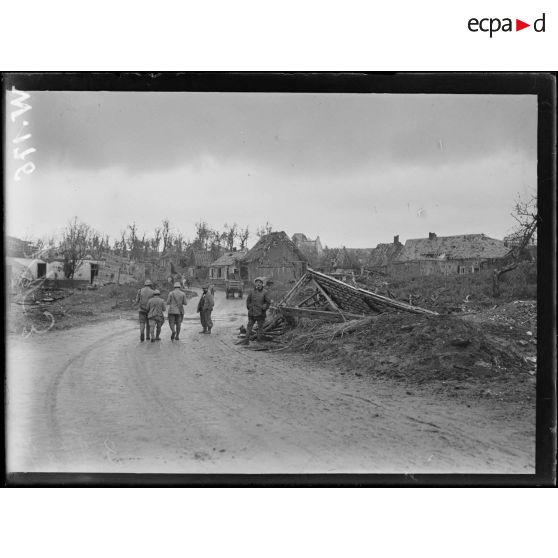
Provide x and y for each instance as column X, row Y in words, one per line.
column 206, row 405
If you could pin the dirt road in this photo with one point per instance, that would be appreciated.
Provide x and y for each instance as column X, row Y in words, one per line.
column 96, row 399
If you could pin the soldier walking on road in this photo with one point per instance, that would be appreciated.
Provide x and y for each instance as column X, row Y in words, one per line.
column 205, row 307
column 257, row 303
column 142, row 298
column 155, row 308
column 176, row 302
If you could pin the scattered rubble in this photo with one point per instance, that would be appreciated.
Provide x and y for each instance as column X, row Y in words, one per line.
column 486, row 352
column 424, row 353
column 518, row 314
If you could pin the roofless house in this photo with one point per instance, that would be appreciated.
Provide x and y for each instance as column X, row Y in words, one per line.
column 448, row 255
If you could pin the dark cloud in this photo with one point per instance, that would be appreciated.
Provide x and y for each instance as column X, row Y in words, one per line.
column 355, row 169
column 289, row 133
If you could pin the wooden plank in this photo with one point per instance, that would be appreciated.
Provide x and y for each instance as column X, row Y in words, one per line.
column 328, row 298
column 307, row 299
column 398, row 304
column 318, row 314
column 288, row 296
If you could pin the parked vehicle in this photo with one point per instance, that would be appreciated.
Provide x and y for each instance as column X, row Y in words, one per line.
column 233, row 286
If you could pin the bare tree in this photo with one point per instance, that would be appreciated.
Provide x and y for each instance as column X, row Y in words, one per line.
column 145, row 245
column 216, row 242
column 264, row 229
column 133, row 240
column 42, row 247
column 156, row 240
column 243, row 235
column 122, row 244
column 75, row 245
column 525, row 214
column 166, row 235
column 230, row 234
column 99, row 245
column 204, row 236
column 96, row 248
column 178, row 242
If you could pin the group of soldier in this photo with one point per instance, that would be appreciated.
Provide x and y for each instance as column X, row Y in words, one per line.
column 152, row 308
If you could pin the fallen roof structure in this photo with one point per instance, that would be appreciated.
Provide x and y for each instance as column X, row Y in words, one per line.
column 320, row 296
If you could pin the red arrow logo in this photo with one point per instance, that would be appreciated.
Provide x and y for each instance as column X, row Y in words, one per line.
column 519, row 25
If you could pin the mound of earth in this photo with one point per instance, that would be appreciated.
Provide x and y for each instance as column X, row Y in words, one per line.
column 486, row 357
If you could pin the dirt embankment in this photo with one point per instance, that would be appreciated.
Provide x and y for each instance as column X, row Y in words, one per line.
column 478, row 347
column 40, row 309
column 488, row 354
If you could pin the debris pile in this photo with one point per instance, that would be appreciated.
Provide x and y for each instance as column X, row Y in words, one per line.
column 490, row 352
column 273, row 329
column 445, row 353
column 310, row 333
column 39, row 297
column 519, row 313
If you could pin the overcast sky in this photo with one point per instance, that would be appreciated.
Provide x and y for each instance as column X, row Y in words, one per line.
column 355, row 169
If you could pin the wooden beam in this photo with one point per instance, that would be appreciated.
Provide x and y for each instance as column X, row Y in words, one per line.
column 397, row 304
column 328, row 298
column 288, row 296
column 308, row 298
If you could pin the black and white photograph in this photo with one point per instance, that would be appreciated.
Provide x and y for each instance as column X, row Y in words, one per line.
column 274, row 274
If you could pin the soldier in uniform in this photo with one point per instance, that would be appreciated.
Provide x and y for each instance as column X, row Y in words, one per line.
column 176, row 302
column 257, row 303
column 155, row 308
column 205, row 307
column 142, row 298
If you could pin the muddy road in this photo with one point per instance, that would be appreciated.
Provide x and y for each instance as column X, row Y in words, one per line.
column 96, row 399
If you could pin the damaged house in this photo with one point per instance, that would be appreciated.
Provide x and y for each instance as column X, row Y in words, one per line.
column 448, row 255
column 275, row 257
column 226, row 267
column 24, row 270
column 87, row 270
column 341, row 263
column 196, row 264
column 17, row 248
column 380, row 257
column 312, row 249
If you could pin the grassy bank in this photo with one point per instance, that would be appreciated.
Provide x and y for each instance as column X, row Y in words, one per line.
column 57, row 309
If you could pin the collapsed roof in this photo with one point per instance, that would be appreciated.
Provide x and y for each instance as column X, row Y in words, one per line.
column 317, row 295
